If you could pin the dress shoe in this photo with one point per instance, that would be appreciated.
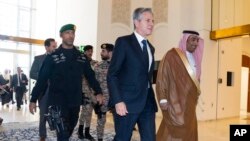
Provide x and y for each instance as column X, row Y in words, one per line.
column 42, row 138
column 18, row 109
column 1, row 121
column 134, row 129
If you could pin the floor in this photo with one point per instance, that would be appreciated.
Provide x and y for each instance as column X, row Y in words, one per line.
column 214, row 130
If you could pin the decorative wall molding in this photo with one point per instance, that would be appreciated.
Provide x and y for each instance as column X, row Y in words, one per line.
column 160, row 9
column 121, row 26
column 121, row 12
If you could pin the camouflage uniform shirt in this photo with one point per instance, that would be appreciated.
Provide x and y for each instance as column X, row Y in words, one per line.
column 101, row 71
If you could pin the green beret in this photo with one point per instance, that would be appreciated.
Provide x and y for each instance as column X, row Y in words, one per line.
column 67, row 27
column 108, row 47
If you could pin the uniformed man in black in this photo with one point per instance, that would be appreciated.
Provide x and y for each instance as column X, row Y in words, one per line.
column 63, row 70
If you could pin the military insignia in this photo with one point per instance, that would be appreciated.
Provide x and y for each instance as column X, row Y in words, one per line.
column 54, row 56
column 104, row 46
column 81, row 58
column 58, row 58
column 62, row 56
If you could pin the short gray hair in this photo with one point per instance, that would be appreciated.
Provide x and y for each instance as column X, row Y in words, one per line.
column 138, row 12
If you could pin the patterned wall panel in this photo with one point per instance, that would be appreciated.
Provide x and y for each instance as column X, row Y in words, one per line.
column 121, row 12
column 160, row 9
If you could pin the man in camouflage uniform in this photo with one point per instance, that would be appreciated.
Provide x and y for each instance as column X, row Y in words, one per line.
column 88, row 100
column 101, row 71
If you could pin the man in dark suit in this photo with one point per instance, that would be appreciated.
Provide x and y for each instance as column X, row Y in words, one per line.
column 3, row 83
column 19, row 83
column 129, row 82
column 50, row 45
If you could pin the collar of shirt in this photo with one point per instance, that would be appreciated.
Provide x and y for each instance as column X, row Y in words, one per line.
column 139, row 38
column 191, row 61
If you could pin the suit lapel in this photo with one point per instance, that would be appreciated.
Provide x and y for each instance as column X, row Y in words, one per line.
column 137, row 47
column 152, row 50
column 41, row 60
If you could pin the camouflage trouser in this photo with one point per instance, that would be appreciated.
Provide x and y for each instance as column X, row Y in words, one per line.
column 100, row 126
column 101, row 122
column 86, row 115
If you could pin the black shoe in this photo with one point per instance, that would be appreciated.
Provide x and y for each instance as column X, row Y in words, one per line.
column 87, row 134
column 18, row 108
column 80, row 132
column 80, row 136
column 134, row 129
column 13, row 102
column 1, row 121
column 100, row 139
column 89, row 137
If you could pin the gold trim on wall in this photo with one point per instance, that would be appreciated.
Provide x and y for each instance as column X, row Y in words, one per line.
column 22, row 39
column 230, row 32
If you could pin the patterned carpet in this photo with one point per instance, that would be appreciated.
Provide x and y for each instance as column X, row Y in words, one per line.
column 29, row 132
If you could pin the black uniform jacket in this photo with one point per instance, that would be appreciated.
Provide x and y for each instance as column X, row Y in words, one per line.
column 63, row 70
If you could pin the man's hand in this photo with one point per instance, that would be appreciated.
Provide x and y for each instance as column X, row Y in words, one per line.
column 99, row 99
column 164, row 105
column 121, row 109
column 32, row 107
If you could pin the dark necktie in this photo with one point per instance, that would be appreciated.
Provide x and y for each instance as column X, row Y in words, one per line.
column 18, row 79
column 145, row 52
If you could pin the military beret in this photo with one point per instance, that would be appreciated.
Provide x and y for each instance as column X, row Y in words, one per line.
column 108, row 47
column 67, row 27
column 87, row 47
column 191, row 32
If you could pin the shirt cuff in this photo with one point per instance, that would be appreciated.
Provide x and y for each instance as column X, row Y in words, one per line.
column 163, row 101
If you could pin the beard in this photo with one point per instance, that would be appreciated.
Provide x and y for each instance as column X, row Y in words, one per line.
column 104, row 58
column 68, row 42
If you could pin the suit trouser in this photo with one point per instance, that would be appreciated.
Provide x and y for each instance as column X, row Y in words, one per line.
column 70, row 116
column 19, row 96
column 145, row 120
column 43, row 106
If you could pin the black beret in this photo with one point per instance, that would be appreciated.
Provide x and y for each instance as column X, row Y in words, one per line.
column 87, row 47
column 108, row 47
column 67, row 27
column 191, row 32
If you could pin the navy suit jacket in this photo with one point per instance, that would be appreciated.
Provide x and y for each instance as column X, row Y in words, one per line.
column 128, row 75
column 36, row 66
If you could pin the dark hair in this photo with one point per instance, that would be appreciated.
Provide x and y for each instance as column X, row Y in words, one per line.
column 138, row 12
column 47, row 42
column 87, row 47
column 191, row 32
